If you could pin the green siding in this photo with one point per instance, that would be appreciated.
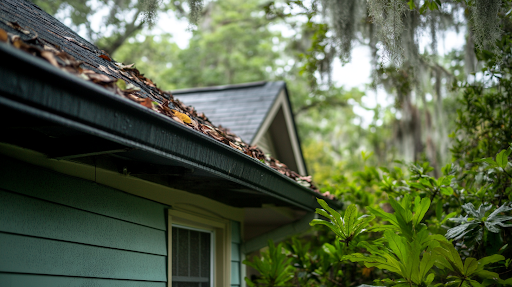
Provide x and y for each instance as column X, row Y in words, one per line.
column 30, row 216
column 79, row 193
column 21, row 254
column 235, row 254
column 58, row 230
column 15, row 280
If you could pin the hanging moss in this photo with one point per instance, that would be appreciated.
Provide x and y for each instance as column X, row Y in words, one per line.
column 388, row 16
column 150, row 10
column 343, row 16
column 196, row 9
column 486, row 23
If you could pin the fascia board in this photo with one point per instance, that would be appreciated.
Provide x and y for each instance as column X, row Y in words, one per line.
column 282, row 102
column 31, row 85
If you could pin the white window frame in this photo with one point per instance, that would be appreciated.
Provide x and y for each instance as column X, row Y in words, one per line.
column 220, row 229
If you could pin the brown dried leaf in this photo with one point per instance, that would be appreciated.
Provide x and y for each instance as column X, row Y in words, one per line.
column 103, row 69
column 235, row 146
column 100, row 78
column 50, row 58
column 178, row 120
column 113, row 70
column 149, row 82
column 123, row 66
column 3, row 35
column 105, row 57
column 50, row 48
column 147, row 102
column 17, row 26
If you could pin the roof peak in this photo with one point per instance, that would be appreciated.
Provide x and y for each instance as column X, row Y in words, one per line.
column 222, row 87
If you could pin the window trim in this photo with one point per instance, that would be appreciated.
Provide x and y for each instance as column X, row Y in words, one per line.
column 221, row 237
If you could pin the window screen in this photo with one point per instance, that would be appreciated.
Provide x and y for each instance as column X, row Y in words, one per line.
column 191, row 258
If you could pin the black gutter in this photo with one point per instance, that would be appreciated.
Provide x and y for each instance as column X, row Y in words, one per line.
column 33, row 86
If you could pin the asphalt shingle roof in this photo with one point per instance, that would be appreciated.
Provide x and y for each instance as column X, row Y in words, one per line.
column 26, row 27
column 240, row 108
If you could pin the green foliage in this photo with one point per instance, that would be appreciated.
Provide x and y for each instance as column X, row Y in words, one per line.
column 407, row 217
column 274, row 267
column 410, row 260
column 472, row 229
column 346, row 227
column 448, row 258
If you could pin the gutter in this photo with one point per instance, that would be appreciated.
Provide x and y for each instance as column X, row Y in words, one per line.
column 33, row 86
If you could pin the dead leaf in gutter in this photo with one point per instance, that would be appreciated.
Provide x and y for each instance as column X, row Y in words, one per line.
column 131, row 88
column 147, row 102
column 183, row 117
column 50, row 58
column 17, row 26
column 113, row 70
column 100, row 78
column 50, row 48
column 178, row 120
column 103, row 69
column 123, row 66
column 3, row 35
column 105, row 57
column 235, row 146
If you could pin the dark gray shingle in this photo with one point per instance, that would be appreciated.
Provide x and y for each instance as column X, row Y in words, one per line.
column 240, row 108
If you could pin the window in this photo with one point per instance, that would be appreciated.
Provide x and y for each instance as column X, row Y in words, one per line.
column 191, row 257
column 199, row 250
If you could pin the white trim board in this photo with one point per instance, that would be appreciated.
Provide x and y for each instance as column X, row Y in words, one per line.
column 281, row 102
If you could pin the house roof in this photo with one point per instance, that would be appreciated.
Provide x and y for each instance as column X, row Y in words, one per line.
column 67, row 102
column 241, row 108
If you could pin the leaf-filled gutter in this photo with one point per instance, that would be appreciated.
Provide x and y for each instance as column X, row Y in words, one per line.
column 127, row 82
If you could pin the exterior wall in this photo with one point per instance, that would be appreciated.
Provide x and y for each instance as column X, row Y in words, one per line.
column 57, row 230
column 67, row 224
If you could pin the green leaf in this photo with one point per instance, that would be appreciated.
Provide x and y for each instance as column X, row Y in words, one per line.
column 345, row 228
column 447, row 191
column 490, row 259
column 502, row 159
column 506, row 282
column 470, row 265
column 121, row 84
column 487, row 274
column 475, row 283
column 489, row 161
column 439, row 210
column 420, row 210
column 411, row 4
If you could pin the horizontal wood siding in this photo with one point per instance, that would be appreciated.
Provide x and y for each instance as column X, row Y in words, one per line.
column 58, row 230
column 30, row 216
column 15, row 280
column 79, row 193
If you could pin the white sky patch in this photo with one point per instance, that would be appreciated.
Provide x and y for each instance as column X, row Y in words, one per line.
column 170, row 24
column 356, row 73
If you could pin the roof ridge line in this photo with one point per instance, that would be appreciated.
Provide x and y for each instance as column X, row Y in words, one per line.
column 220, row 88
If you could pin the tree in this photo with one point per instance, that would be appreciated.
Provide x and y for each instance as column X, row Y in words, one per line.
column 124, row 20
column 232, row 45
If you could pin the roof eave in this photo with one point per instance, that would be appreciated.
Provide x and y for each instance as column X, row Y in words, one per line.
column 34, row 86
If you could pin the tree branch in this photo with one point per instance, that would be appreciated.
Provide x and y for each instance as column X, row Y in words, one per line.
column 334, row 102
column 130, row 30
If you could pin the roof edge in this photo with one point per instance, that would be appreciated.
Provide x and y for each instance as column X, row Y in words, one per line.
column 219, row 88
column 34, row 86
